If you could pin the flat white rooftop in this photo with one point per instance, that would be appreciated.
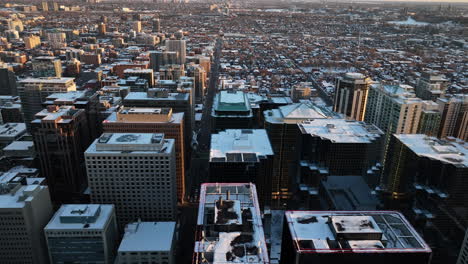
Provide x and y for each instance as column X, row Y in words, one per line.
column 294, row 113
column 232, row 141
column 341, row 130
column 12, row 130
column 148, row 237
column 81, row 217
column 453, row 152
column 131, row 142
column 16, row 195
column 353, row 231
column 50, row 80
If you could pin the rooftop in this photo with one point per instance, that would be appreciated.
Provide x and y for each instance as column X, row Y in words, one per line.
column 15, row 191
column 239, row 237
column 50, row 80
column 148, row 237
column 231, row 101
column 295, row 113
column 12, row 130
column 447, row 151
column 145, row 96
column 353, row 231
column 341, row 130
column 81, row 216
column 240, row 145
column 60, row 114
column 131, row 142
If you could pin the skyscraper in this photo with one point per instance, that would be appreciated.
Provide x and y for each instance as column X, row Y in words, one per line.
column 34, row 91
column 231, row 109
column 431, row 86
column 153, row 120
column 282, row 129
column 137, row 26
column 136, row 173
column 61, row 136
column 7, row 82
column 454, row 121
column 82, row 233
column 47, row 66
column 157, row 25
column 25, row 209
column 351, row 95
column 243, row 155
column 179, row 46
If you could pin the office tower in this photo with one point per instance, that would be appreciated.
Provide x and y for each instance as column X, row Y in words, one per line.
column 45, row 6
column 47, row 66
column 137, row 26
column 393, row 108
column 162, row 58
column 337, row 147
column 136, row 173
column 431, row 86
column 161, row 98
column 61, row 136
column 454, row 122
column 25, row 209
column 148, row 242
column 282, row 129
column 153, row 120
column 34, row 91
column 7, row 82
column 429, row 122
column 32, row 42
column 199, row 75
column 229, row 226
column 463, row 255
column 243, row 155
column 15, row 24
column 179, row 46
column 88, row 100
column 365, row 237
column 56, row 39
column 55, row 6
column 157, row 25
column 146, row 74
column 231, row 109
column 102, row 30
column 10, row 109
column 351, row 95
column 82, row 233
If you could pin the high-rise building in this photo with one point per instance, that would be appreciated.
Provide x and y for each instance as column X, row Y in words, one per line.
column 7, row 82
column 88, row 100
column 365, row 237
column 82, row 233
column 302, row 91
column 199, row 75
column 10, row 132
column 148, row 242
column 393, row 108
column 431, row 86
column 56, row 39
column 179, row 46
column 146, row 74
column 61, row 136
column 25, row 208
column 282, row 129
column 429, row 123
column 454, row 122
column 337, row 147
column 463, row 255
column 153, row 120
column 44, row 6
column 34, row 91
column 351, row 95
column 102, row 29
column 136, row 172
column 157, row 25
column 137, row 26
column 162, row 98
column 10, row 109
column 229, row 226
column 231, row 109
column 47, row 66
column 163, row 58
column 426, row 178
column 15, row 24
column 32, row 42
column 243, row 155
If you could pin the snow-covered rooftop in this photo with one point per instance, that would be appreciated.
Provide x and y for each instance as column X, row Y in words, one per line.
column 341, row 130
column 81, row 216
column 240, row 141
column 453, row 152
column 295, row 113
column 131, row 142
column 148, row 237
column 353, row 231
